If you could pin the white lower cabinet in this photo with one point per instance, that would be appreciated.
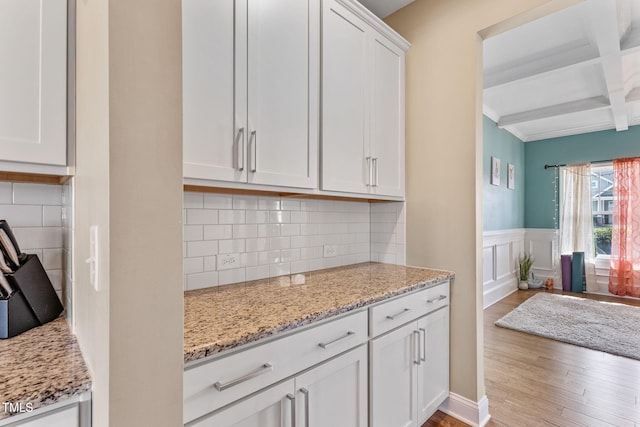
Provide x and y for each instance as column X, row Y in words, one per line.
column 331, row 394
column 433, row 371
column 409, row 376
column 333, row 374
column 74, row 412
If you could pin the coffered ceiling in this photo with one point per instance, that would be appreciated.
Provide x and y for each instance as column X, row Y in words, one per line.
column 572, row 72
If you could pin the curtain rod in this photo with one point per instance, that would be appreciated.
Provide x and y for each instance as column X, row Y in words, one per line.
column 564, row 164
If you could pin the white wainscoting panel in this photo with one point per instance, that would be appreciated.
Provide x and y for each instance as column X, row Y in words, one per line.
column 500, row 250
column 543, row 244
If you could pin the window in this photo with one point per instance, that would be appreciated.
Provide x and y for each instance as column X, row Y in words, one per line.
column 602, row 207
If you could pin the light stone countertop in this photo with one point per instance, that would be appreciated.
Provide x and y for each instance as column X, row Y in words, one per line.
column 225, row 317
column 41, row 366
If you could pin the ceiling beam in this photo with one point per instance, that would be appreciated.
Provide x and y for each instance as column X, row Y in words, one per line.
column 554, row 110
column 604, row 21
column 575, row 54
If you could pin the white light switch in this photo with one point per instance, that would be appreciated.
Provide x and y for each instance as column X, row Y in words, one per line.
column 93, row 257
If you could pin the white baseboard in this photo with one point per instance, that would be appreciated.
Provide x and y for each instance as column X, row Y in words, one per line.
column 499, row 290
column 475, row 414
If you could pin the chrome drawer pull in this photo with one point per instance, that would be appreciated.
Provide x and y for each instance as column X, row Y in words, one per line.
column 240, row 152
column 306, row 406
column 327, row 344
column 292, row 399
column 423, row 355
column 267, row 367
column 416, row 343
column 402, row 313
column 440, row 298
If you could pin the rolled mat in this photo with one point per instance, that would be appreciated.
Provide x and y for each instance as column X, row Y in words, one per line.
column 565, row 262
column 577, row 272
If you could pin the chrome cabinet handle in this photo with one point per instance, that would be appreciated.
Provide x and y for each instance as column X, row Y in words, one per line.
column 440, row 298
column 267, row 367
column 402, row 313
column 240, row 149
column 423, row 356
column 306, row 406
column 292, row 399
column 254, row 158
column 369, row 169
column 375, row 171
column 416, row 340
column 327, row 344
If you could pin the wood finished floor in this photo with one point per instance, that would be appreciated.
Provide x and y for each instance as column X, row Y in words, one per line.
column 533, row 381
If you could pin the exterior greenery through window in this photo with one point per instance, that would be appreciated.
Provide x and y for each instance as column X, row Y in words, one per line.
column 602, row 207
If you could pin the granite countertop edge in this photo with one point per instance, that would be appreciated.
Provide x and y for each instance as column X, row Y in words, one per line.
column 216, row 348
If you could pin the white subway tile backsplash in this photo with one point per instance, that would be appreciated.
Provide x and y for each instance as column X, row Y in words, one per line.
column 269, row 230
column 193, row 265
column 22, row 215
column 245, row 231
column 202, row 216
column 269, row 203
column 37, row 194
column 256, row 245
column 279, row 217
column 56, row 277
column 52, row 259
column 217, row 201
column 245, row 202
column 192, row 232
column 193, row 200
column 231, row 246
column 279, row 242
column 209, row 263
column 290, row 229
column 236, row 275
column 6, row 193
column 202, row 280
column 279, row 236
column 202, row 248
column 257, row 217
column 300, row 217
column 214, row 232
column 232, row 217
column 33, row 237
column 258, row 272
column 52, row 216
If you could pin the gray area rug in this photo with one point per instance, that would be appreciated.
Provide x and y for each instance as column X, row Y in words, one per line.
column 609, row 327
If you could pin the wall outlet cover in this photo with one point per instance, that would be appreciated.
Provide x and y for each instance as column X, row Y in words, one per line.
column 330, row 251
column 228, row 261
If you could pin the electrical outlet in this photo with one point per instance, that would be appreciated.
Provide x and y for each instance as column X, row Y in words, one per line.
column 228, row 261
column 330, row 251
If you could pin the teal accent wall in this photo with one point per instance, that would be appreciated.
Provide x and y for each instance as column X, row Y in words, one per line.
column 503, row 208
column 539, row 188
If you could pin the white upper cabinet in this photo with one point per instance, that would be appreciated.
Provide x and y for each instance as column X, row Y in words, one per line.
column 345, row 131
column 33, row 81
column 251, row 91
column 362, row 103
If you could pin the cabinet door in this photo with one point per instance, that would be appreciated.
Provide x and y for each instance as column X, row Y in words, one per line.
column 67, row 417
column 334, row 393
column 345, row 120
column 433, row 372
column 273, row 407
column 393, row 387
column 33, row 81
column 214, row 89
column 283, row 86
column 387, row 117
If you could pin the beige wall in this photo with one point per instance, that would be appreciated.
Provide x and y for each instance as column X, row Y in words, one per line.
column 444, row 155
column 129, row 182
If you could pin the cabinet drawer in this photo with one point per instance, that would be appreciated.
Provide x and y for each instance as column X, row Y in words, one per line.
column 213, row 384
column 390, row 315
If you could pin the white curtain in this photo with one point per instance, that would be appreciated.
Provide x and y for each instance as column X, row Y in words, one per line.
column 576, row 219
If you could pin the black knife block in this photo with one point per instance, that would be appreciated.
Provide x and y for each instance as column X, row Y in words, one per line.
column 33, row 303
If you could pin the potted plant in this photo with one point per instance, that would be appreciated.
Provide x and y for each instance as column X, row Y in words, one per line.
column 525, row 262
